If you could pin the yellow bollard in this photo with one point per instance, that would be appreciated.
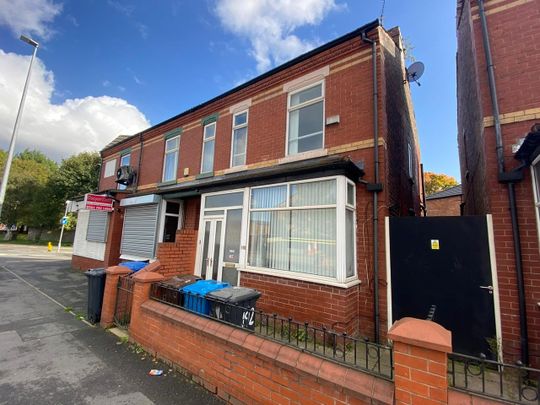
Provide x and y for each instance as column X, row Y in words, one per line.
column 49, row 247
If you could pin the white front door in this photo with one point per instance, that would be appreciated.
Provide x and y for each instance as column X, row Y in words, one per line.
column 211, row 244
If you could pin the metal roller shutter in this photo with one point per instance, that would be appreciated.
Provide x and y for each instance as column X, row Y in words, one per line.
column 139, row 233
column 98, row 222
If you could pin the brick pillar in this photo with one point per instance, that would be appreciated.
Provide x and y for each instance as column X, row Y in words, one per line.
column 420, row 361
column 141, row 294
column 109, row 295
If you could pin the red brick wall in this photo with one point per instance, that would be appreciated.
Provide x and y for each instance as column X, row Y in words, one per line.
column 332, row 307
column 448, row 206
column 241, row 367
column 178, row 258
column 514, row 30
column 85, row 263
column 348, row 94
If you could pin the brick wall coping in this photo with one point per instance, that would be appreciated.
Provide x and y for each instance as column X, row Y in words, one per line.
column 118, row 270
column 147, row 277
column 466, row 398
column 422, row 333
column 365, row 385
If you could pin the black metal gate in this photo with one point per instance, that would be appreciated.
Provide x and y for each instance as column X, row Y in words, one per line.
column 446, row 262
column 124, row 299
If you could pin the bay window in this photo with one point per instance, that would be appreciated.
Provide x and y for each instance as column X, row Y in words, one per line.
column 306, row 119
column 307, row 228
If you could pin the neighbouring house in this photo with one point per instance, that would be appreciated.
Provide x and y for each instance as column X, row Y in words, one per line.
column 498, row 75
column 444, row 203
column 274, row 184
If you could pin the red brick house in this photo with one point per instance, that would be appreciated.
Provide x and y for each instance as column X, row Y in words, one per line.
column 498, row 72
column 276, row 184
column 444, row 203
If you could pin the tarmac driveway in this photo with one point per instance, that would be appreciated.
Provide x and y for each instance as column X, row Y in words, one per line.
column 49, row 356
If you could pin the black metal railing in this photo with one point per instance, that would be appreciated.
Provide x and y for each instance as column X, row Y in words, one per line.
column 510, row 382
column 124, row 299
column 330, row 344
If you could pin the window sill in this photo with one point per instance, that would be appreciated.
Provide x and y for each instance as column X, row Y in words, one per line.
column 166, row 183
column 204, row 175
column 301, row 277
column 235, row 169
column 304, row 156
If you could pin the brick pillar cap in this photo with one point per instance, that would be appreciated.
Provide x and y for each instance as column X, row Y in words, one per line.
column 421, row 333
column 147, row 277
column 118, row 270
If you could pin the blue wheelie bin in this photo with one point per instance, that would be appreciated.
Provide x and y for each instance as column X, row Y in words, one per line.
column 195, row 295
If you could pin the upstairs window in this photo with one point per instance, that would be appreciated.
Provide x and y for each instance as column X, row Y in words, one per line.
column 306, row 119
column 110, row 168
column 239, row 139
column 124, row 161
column 209, row 138
column 170, row 161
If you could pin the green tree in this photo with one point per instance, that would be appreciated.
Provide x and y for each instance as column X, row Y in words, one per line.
column 76, row 176
column 28, row 181
column 435, row 182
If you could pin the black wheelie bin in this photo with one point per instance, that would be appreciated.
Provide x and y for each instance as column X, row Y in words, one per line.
column 235, row 305
column 96, row 288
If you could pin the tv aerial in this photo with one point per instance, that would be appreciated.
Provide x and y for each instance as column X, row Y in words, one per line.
column 415, row 72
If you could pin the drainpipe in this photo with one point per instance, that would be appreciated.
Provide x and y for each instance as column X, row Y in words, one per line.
column 139, row 164
column 510, row 178
column 375, row 187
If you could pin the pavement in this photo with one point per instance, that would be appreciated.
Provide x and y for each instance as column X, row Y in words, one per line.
column 50, row 356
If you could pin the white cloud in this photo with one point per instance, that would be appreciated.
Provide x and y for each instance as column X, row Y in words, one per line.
column 59, row 130
column 30, row 17
column 269, row 25
column 106, row 83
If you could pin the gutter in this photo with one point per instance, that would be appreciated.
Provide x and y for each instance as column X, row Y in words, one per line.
column 375, row 187
column 509, row 178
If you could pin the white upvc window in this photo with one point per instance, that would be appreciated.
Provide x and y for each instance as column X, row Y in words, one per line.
column 535, row 169
column 305, row 119
column 410, row 160
column 239, row 139
column 110, row 168
column 124, row 161
column 170, row 160
column 209, row 138
column 304, row 229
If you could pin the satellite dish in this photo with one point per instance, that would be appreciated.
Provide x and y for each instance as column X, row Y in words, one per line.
column 415, row 72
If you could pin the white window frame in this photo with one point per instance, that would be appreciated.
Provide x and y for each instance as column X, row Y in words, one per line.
column 536, row 194
column 234, row 128
column 163, row 214
column 110, row 168
column 165, row 153
column 305, row 104
column 122, row 157
column 205, row 141
column 200, row 239
column 341, row 206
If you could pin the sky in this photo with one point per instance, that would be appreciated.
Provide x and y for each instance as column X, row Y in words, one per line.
column 110, row 67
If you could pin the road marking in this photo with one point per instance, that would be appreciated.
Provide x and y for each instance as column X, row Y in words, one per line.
column 45, row 295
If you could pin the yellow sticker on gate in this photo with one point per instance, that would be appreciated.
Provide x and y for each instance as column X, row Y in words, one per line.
column 435, row 244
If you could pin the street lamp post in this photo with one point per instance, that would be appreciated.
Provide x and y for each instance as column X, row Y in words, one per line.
column 7, row 167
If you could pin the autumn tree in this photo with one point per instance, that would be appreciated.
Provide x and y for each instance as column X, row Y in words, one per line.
column 435, row 182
